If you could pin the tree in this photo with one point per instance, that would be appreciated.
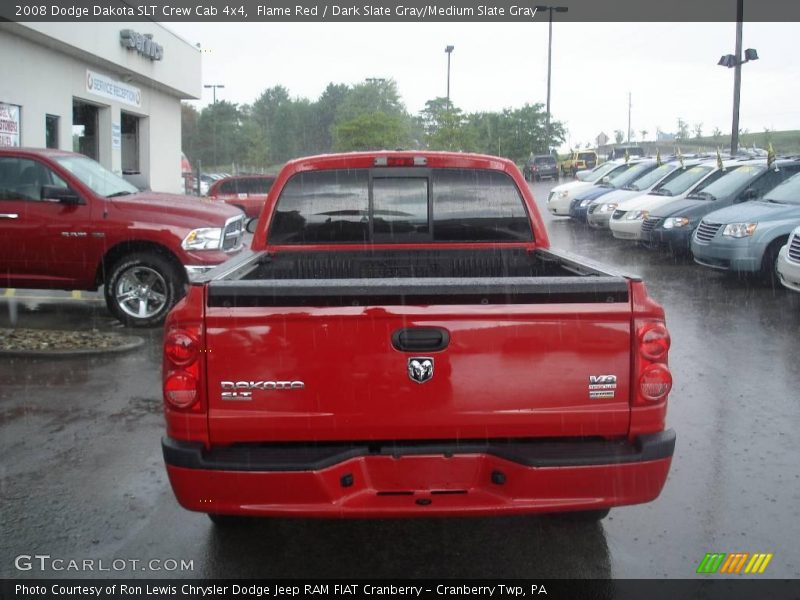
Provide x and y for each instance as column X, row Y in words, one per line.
column 698, row 130
column 219, row 140
column 716, row 134
column 618, row 136
column 644, row 134
column 372, row 117
column 324, row 115
column 443, row 126
column 370, row 131
column 683, row 130
column 189, row 130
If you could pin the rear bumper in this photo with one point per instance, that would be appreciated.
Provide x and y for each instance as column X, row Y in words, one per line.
column 468, row 478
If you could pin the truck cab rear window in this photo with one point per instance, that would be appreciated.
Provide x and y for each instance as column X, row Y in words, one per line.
column 357, row 206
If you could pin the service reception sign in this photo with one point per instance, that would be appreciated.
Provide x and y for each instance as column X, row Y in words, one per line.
column 111, row 89
column 9, row 124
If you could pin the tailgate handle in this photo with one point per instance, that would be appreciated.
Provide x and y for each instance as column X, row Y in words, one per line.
column 420, row 339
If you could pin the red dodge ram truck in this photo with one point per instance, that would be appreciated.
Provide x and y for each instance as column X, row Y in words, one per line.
column 401, row 341
column 68, row 223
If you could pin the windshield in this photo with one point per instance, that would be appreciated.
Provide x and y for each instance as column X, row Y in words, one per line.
column 631, row 174
column 736, row 178
column 98, row 179
column 586, row 156
column 787, row 192
column 653, row 177
column 682, row 180
column 602, row 171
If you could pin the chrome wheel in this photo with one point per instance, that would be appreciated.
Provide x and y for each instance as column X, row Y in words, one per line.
column 141, row 292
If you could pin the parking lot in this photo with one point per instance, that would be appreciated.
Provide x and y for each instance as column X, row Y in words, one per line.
column 82, row 475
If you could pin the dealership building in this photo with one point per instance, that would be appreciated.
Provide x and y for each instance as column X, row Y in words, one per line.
column 111, row 91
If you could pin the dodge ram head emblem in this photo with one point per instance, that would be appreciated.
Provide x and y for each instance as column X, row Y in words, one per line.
column 420, row 369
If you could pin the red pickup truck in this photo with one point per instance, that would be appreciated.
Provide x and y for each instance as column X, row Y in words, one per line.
column 401, row 341
column 68, row 223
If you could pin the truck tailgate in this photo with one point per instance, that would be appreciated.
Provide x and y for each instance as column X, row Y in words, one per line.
column 324, row 373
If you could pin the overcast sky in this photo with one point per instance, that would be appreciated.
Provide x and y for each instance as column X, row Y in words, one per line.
column 670, row 68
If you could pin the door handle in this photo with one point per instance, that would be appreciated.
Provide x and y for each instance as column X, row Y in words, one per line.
column 420, row 339
column 9, row 216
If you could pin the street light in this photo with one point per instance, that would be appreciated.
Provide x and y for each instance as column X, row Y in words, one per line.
column 449, row 50
column 550, row 9
column 214, row 86
column 735, row 62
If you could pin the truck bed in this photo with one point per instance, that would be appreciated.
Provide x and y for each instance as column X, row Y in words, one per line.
column 427, row 276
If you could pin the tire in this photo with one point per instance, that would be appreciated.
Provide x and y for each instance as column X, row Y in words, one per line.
column 584, row 516
column 769, row 263
column 229, row 521
column 141, row 288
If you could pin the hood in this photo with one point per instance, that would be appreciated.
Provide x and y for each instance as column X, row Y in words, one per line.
column 594, row 193
column 617, row 196
column 647, row 202
column 572, row 186
column 688, row 208
column 754, row 211
column 190, row 209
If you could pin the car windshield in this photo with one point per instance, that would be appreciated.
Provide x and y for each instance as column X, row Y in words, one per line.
column 682, row 180
column 631, row 174
column 586, row 156
column 650, row 179
column 602, row 171
column 787, row 192
column 728, row 184
column 98, row 179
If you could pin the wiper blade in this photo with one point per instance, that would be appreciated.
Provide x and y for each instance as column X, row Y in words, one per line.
column 115, row 194
column 631, row 187
column 662, row 192
column 702, row 196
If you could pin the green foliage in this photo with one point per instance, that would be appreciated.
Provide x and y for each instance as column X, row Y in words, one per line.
column 618, row 136
column 370, row 131
column 366, row 116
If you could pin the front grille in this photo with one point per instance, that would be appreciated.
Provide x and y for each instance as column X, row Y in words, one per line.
column 649, row 224
column 232, row 234
column 618, row 214
column 794, row 249
column 706, row 231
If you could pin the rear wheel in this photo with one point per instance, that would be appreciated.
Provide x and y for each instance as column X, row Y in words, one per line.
column 142, row 287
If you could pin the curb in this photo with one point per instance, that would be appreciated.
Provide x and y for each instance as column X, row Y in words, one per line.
column 135, row 342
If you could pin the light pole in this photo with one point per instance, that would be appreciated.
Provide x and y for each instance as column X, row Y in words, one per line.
column 214, row 87
column 550, row 9
column 448, row 50
column 736, row 62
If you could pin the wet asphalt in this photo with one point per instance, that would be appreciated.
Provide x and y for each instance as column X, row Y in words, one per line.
column 81, row 473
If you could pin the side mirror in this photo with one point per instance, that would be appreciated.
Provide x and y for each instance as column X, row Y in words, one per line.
column 60, row 194
column 251, row 225
column 748, row 194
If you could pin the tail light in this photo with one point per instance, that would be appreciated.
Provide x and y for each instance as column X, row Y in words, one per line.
column 182, row 387
column 652, row 348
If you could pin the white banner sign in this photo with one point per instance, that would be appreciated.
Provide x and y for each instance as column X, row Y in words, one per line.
column 102, row 85
column 9, row 124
